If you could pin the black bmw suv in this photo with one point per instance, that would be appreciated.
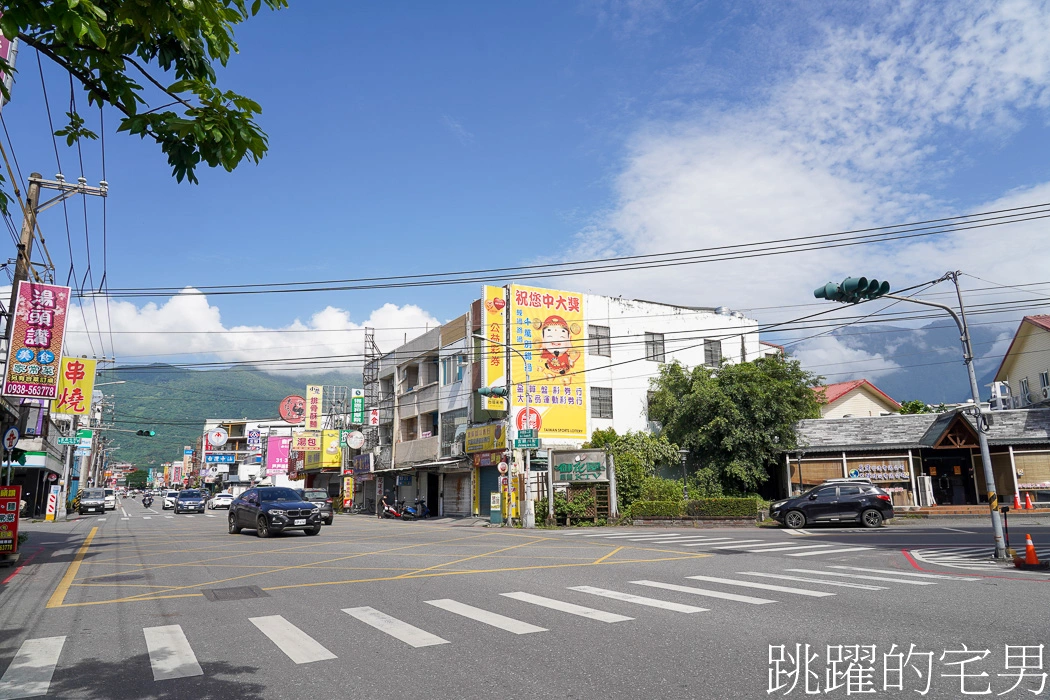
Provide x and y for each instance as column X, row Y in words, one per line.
column 836, row 501
column 271, row 510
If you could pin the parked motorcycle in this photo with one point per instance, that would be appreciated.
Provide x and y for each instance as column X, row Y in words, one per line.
column 420, row 510
column 390, row 511
column 406, row 513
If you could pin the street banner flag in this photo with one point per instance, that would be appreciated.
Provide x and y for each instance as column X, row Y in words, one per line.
column 36, row 342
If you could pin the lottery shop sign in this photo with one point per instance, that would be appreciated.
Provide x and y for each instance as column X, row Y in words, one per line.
column 36, row 343
column 9, row 498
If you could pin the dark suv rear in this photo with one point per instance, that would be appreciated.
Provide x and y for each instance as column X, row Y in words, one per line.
column 835, row 502
column 321, row 499
column 189, row 501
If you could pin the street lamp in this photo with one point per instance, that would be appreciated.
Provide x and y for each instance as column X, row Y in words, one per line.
column 684, row 456
column 530, row 507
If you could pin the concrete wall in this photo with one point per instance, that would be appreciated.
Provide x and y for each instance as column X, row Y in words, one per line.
column 857, row 403
column 1028, row 358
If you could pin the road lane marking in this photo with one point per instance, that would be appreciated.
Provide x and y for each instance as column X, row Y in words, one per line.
column 952, row 529
column 296, row 644
column 123, row 511
column 763, row 586
column 798, row 532
column 636, row 534
column 801, row 579
column 687, row 538
column 640, row 600
column 570, row 608
column 781, row 548
column 486, row 617
column 102, row 520
column 905, row 573
column 169, row 517
column 735, row 545
column 862, row 577
column 710, row 541
column 209, row 516
column 30, row 672
column 705, row 592
column 126, row 518
column 146, row 517
column 170, row 654
column 71, row 573
column 409, row 634
column 829, row 551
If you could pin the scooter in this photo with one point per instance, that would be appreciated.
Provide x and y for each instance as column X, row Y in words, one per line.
column 420, row 511
column 147, row 501
column 406, row 513
column 390, row 511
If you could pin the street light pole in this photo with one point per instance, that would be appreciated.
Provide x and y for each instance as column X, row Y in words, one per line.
column 530, row 508
column 684, row 454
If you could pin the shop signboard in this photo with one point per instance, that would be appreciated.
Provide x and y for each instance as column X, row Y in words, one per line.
column 85, row 436
column 357, row 406
column 404, row 479
column 9, row 498
column 331, row 452
column 314, row 399
column 486, row 438
column 220, row 458
column 487, row 459
column 292, row 409
column 362, row 464
column 68, row 440
column 76, row 382
column 348, row 492
column 254, row 439
column 879, row 470
column 493, row 367
column 547, row 326
column 579, row 465
column 36, row 341
column 306, row 441
column 277, row 449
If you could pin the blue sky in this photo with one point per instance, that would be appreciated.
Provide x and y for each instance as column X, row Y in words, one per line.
column 414, row 137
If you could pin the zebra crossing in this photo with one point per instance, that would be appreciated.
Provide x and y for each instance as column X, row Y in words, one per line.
column 721, row 544
column 172, row 654
column 969, row 558
column 102, row 519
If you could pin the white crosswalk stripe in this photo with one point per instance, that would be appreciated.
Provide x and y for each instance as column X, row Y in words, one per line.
column 782, row 548
column 904, row 573
column 705, row 592
column 296, row 644
column 570, row 608
column 29, row 674
column 763, row 586
column 486, row 617
column 170, row 654
column 792, row 531
column 863, row 577
column 169, row 517
column 409, row 634
column 680, row 540
column 802, row 579
column 734, row 545
column 208, row 515
column 640, row 600
column 712, row 540
column 146, row 517
column 828, row 551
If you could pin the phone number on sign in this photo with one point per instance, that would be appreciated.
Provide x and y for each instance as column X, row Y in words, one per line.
column 44, row 391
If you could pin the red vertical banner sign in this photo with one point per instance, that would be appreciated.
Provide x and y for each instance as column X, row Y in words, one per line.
column 9, row 498
column 36, row 341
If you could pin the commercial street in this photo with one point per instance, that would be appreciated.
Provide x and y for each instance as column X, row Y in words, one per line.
column 151, row 605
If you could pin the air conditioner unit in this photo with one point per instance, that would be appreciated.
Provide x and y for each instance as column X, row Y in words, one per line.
column 1046, row 392
column 457, row 450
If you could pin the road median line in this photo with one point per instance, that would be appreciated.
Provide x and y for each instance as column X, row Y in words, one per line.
column 59, row 596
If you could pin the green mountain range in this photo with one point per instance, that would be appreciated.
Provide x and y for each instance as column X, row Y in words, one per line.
column 174, row 402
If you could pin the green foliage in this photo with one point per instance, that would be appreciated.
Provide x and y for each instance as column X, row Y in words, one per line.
column 22, row 537
column 175, row 402
column 565, row 510
column 919, row 406
column 735, row 420
column 655, row 488
column 656, row 509
column 636, row 456
column 694, row 508
column 137, row 479
column 108, row 45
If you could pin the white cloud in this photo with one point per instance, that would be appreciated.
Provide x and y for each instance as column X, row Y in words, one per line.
column 834, row 357
column 189, row 326
column 863, row 132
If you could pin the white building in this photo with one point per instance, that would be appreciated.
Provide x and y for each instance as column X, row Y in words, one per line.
column 427, row 393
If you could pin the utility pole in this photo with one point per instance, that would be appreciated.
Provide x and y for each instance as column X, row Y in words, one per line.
column 25, row 244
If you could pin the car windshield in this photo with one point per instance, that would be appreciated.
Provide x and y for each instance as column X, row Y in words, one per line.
column 221, row 496
column 189, row 494
column 278, row 495
column 93, row 493
column 316, row 494
column 109, row 492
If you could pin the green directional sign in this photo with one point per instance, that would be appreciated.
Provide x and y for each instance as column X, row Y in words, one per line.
column 85, row 434
column 68, row 441
column 357, row 407
column 526, row 434
column 527, row 443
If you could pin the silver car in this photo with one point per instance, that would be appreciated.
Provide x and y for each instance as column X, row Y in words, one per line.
column 92, row 501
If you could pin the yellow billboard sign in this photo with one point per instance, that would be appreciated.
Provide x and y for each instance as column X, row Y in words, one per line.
column 76, row 381
column 546, row 325
column 331, row 452
column 306, row 440
column 314, row 399
column 486, row 438
column 493, row 365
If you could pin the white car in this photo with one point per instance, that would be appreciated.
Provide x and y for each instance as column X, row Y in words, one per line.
column 220, row 500
column 111, row 499
column 169, row 499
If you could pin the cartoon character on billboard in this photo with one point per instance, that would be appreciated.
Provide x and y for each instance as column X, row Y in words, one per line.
column 557, row 351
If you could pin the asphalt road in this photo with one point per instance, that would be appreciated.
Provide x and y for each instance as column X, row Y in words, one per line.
column 175, row 607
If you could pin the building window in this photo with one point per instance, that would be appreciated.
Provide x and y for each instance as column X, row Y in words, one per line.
column 1044, row 379
column 600, row 344
column 452, row 369
column 654, row 347
column 1025, row 396
column 712, row 353
column 601, row 402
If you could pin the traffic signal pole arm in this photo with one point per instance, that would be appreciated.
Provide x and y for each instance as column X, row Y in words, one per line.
column 847, row 292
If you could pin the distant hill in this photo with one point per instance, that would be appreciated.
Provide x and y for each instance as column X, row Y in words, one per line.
column 174, row 402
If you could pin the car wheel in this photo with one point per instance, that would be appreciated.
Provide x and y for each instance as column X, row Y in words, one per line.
column 261, row 528
column 235, row 529
column 795, row 519
column 329, row 521
column 871, row 518
column 313, row 530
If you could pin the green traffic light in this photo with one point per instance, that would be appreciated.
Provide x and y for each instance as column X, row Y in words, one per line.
column 500, row 391
column 853, row 290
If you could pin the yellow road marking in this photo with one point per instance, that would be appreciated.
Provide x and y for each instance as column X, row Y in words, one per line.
column 71, row 572
column 600, row 560
column 458, row 561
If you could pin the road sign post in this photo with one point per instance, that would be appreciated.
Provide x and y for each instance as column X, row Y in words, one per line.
column 527, row 443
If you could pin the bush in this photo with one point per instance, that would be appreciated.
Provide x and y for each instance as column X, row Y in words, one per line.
column 655, row 509
column 655, row 488
column 722, row 507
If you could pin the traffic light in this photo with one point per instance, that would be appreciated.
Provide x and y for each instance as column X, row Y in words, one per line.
column 852, row 290
column 145, row 433
column 500, row 391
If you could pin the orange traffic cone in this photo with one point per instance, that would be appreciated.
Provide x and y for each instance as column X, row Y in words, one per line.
column 1029, row 552
column 1028, row 502
column 1017, row 502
